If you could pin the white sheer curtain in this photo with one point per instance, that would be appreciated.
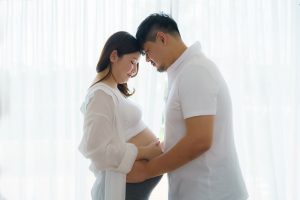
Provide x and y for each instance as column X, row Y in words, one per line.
column 48, row 53
column 49, row 50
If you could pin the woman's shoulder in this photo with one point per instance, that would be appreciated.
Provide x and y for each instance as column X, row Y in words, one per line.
column 102, row 89
column 99, row 93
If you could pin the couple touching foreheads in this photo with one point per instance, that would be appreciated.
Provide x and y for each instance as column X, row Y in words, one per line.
column 198, row 152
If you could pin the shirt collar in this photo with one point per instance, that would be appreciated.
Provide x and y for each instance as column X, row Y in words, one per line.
column 192, row 50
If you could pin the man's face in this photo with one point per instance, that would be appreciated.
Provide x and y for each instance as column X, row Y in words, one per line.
column 154, row 54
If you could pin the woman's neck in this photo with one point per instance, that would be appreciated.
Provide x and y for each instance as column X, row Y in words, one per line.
column 110, row 81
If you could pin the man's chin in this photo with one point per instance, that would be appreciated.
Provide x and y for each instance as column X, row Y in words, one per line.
column 161, row 69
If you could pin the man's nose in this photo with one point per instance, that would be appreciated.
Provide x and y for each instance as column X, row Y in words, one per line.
column 147, row 58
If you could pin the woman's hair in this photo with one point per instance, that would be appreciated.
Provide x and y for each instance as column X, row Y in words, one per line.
column 123, row 43
column 152, row 24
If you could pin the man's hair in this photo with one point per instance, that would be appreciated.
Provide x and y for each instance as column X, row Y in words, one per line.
column 152, row 24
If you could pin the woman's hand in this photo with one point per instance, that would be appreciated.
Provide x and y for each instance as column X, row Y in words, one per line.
column 150, row 151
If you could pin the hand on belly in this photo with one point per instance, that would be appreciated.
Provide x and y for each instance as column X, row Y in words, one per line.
column 149, row 142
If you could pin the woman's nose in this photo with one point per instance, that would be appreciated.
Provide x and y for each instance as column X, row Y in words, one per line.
column 133, row 70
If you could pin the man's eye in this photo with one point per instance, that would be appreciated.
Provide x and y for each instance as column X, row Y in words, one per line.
column 146, row 52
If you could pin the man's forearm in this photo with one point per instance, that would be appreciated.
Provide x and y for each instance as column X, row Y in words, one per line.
column 183, row 152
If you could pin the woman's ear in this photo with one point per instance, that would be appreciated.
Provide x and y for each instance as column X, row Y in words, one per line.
column 113, row 56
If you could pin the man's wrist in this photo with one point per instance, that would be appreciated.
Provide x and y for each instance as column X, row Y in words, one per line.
column 150, row 170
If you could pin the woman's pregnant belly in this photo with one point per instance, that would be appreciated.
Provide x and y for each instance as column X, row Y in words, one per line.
column 143, row 138
column 142, row 191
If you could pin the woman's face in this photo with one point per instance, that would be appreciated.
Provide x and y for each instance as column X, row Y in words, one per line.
column 125, row 67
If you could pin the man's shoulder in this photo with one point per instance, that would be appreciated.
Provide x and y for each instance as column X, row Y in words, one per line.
column 193, row 67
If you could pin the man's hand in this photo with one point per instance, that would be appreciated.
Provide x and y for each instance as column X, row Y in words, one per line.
column 138, row 172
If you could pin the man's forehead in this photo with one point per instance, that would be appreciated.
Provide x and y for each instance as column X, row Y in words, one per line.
column 147, row 45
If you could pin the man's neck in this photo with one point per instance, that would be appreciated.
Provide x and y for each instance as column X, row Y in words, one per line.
column 176, row 51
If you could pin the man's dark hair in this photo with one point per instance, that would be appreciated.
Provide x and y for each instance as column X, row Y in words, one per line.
column 152, row 24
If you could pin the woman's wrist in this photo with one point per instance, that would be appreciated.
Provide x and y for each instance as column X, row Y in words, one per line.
column 142, row 153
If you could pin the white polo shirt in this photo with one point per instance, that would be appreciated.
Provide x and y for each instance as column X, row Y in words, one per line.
column 197, row 88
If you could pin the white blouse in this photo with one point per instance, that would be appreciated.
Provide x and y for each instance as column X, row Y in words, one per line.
column 110, row 120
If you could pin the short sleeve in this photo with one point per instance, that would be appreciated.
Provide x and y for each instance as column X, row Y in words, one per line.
column 198, row 92
column 101, row 142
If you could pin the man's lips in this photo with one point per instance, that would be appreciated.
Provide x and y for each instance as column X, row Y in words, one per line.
column 153, row 63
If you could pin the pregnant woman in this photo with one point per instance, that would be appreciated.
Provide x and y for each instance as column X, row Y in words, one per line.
column 114, row 133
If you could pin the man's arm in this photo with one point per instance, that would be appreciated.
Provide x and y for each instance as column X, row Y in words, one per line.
column 198, row 139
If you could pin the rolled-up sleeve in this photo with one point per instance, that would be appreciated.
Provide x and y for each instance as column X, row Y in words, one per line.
column 101, row 142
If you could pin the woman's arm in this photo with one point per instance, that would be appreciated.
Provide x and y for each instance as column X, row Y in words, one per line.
column 101, row 143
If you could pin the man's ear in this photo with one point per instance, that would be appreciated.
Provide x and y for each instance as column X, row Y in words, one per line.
column 162, row 37
column 113, row 56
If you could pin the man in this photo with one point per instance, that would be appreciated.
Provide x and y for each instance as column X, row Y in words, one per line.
column 200, row 155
